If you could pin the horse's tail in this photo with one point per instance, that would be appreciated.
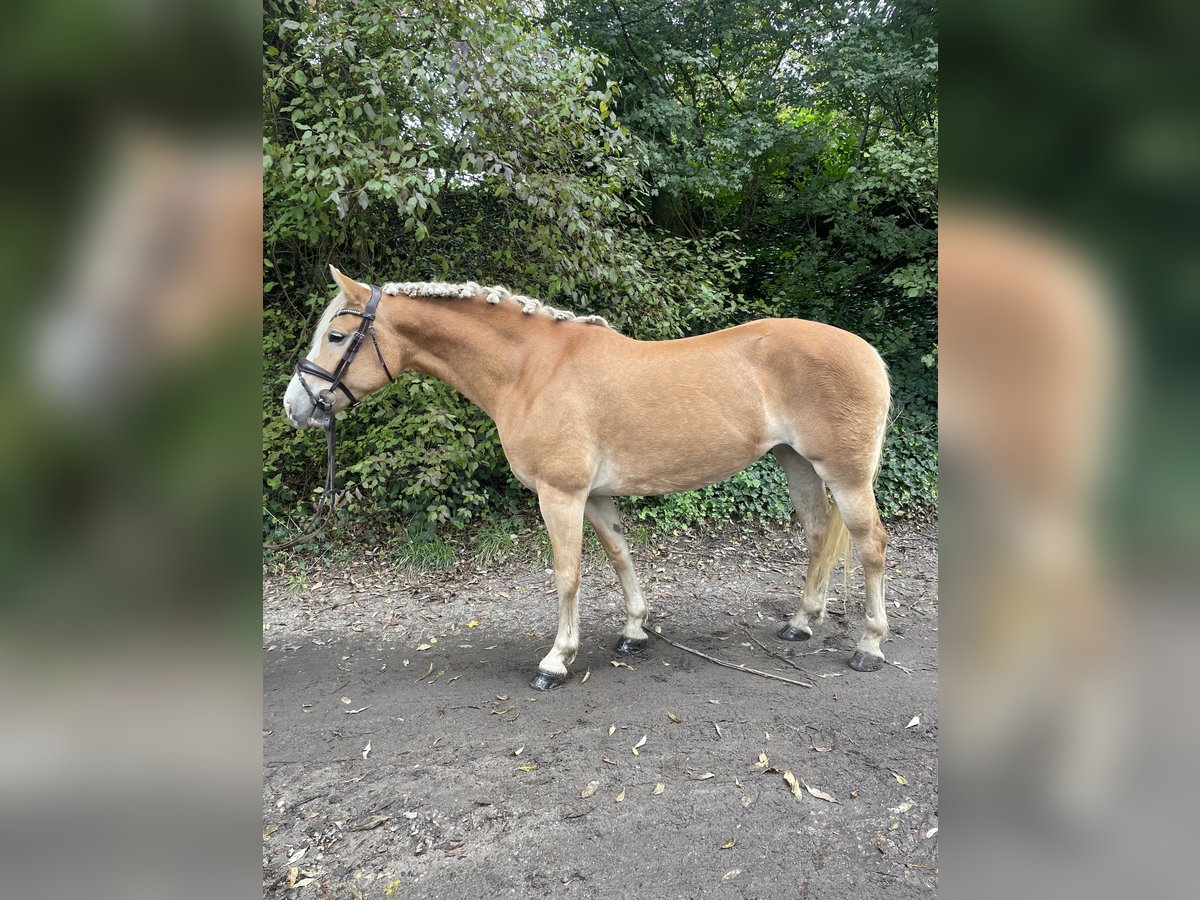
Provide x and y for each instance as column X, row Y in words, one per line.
column 888, row 422
column 835, row 547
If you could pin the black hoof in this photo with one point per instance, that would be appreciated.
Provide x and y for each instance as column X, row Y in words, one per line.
column 628, row 646
column 865, row 662
column 788, row 633
column 547, row 681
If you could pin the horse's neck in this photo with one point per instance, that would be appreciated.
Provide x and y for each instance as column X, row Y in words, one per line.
column 478, row 352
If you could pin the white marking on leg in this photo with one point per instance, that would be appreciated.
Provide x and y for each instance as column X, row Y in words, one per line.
column 859, row 511
column 563, row 515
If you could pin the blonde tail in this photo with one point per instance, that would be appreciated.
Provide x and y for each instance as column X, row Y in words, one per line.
column 835, row 547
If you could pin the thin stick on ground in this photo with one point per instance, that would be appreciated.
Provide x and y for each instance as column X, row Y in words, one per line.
column 728, row 665
column 779, row 656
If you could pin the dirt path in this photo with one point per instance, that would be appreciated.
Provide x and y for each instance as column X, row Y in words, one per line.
column 472, row 785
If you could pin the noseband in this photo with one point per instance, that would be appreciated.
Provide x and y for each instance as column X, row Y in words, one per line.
column 323, row 400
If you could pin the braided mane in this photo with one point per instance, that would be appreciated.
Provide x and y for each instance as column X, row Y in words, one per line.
column 496, row 294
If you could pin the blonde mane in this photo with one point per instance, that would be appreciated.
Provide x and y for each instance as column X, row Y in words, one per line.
column 494, row 295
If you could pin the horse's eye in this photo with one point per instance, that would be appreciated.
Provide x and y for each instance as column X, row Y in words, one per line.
column 336, row 337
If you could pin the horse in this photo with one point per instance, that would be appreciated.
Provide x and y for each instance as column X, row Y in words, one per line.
column 168, row 266
column 586, row 414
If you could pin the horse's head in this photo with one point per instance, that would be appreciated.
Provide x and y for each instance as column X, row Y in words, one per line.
column 346, row 361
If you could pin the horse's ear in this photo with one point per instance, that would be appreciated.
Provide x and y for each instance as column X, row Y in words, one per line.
column 355, row 290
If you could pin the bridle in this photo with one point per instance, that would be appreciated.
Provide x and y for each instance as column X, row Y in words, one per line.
column 323, row 400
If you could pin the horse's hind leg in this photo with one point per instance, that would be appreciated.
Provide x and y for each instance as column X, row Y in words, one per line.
column 857, row 506
column 601, row 512
column 807, row 491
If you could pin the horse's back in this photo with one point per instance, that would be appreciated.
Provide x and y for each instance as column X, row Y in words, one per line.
column 658, row 416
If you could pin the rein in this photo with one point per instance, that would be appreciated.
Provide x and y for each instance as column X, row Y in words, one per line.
column 323, row 400
column 328, row 499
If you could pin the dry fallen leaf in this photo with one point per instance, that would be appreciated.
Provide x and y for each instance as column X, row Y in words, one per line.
column 589, row 790
column 641, row 743
column 821, row 749
column 271, row 829
column 428, row 672
column 611, row 729
column 658, row 789
column 746, row 801
column 900, row 778
column 730, row 844
column 529, row 767
column 366, row 749
column 586, row 676
column 673, row 718
column 635, row 752
column 732, row 873
column 502, row 697
column 369, row 823
column 763, row 762
column 820, row 794
column 519, row 750
column 881, row 843
column 621, row 796
column 767, row 735
column 704, row 777
column 617, row 664
column 737, row 782
column 905, row 805
column 854, row 793
column 424, row 646
column 347, row 700
column 610, row 761
column 793, row 785
column 473, row 624
column 913, row 722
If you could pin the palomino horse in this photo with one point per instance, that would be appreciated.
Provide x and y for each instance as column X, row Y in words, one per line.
column 169, row 266
column 586, row 414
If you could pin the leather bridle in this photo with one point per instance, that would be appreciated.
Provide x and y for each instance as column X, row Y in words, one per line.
column 324, row 400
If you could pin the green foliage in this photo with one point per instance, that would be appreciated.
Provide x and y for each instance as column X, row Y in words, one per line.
column 675, row 168
column 757, row 493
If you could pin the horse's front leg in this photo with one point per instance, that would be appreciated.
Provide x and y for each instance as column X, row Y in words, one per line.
column 602, row 513
column 563, row 514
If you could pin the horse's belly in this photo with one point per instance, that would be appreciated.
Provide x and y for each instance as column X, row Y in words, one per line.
column 666, row 468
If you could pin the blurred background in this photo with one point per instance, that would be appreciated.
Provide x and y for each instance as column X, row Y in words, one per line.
column 1068, row 427
column 130, row 251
